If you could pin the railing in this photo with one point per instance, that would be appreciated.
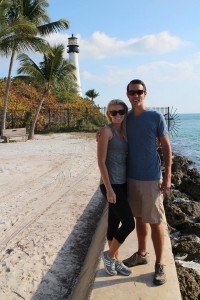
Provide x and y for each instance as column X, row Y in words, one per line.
column 51, row 119
column 55, row 119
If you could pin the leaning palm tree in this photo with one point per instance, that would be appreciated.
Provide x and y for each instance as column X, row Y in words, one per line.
column 22, row 40
column 20, row 23
column 92, row 94
column 50, row 73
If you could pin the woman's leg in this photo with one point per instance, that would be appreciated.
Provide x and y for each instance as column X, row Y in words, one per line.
column 123, row 213
column 113, row 224
column 114, row 249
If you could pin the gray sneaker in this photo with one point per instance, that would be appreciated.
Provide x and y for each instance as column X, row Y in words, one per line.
column 136, row 259
column 159, row 277
column 109, row 263
column 121, row 268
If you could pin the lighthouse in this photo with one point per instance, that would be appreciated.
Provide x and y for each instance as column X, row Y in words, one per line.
column 73, row 58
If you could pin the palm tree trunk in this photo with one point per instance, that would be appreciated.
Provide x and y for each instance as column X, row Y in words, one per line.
column 32, row 129
column 8, row 82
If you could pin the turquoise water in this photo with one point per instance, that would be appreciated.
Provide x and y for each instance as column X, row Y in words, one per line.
column 186, row 141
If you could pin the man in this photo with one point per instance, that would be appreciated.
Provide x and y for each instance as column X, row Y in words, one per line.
column 145, row 183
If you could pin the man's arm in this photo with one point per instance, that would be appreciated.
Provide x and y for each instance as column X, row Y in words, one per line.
column 167, row 157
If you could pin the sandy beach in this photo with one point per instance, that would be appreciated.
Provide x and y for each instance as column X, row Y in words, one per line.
column 46, row 185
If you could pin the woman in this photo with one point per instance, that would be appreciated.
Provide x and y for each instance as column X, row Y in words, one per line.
column 111, row 154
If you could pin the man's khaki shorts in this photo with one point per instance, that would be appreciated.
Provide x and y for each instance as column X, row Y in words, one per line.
column 146, row 200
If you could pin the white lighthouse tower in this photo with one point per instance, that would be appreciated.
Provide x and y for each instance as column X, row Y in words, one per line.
column 73, row 58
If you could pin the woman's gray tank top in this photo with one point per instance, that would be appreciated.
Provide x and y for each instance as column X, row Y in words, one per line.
column 116, row 159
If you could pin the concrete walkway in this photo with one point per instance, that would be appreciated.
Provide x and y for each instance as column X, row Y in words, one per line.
column 138, row 286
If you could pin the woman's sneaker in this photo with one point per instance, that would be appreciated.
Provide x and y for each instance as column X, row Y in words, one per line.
column 121, row 268
column 109, row 263
column 136, row 259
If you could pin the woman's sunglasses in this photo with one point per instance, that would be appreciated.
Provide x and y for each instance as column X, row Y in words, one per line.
column 133, row 92
column 121, row 112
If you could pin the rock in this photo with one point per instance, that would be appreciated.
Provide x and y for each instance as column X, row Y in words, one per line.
column 185, row 179
column 180, row 165
column 189, row 283
column 182, row 208
column 190, row 186
column 188, row 247
column 194, row 174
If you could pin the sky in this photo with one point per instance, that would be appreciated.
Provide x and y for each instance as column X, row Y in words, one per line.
column 157, row 41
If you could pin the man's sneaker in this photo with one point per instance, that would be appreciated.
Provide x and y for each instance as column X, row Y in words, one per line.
column 159, row 277
column 121, row 268
column 136, row 259
column 109, row 263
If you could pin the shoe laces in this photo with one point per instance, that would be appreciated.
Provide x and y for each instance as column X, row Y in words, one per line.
column 159, row 268
column 119, row 262
column 112, row 263
column 133, row 256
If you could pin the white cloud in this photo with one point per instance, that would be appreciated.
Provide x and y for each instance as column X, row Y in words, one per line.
column 100, row 45
column 160, row 43
column 159, row 71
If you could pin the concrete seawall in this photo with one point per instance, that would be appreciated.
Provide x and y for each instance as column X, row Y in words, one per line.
column 95, row 284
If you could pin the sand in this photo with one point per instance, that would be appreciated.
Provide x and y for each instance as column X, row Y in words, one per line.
column 46, row 185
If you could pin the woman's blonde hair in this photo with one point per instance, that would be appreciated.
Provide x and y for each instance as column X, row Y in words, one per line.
column 122, row 103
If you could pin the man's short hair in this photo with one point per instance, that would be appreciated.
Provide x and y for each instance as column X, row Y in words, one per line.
column 137, row 81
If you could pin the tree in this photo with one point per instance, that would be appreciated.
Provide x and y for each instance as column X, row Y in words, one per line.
column 50, row 73
column 92, row 94
column 21, row 22
column 68, row 92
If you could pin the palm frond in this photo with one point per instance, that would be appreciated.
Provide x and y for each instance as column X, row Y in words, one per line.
column 53, row 70
column 29, row 68
column 23, row 43
column 53, row 27
column 21, row 26
column 36, row 11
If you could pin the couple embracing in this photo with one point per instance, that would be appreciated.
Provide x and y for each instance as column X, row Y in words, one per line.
column 131, row 179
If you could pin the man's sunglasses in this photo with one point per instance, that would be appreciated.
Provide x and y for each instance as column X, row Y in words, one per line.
column 121, row 112
column 133, row 92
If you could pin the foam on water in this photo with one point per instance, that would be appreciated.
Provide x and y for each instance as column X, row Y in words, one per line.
column 190, row 264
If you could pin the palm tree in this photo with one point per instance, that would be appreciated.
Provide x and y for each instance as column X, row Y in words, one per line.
column 20, row 41
column 92, row 94
column 49, row 74
column 21, row 22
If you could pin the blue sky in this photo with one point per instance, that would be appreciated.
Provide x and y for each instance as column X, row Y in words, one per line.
column 157, row 41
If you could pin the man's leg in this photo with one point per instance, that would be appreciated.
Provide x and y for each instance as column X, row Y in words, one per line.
column 141, row 257
column 142, row 235
column 157, row 235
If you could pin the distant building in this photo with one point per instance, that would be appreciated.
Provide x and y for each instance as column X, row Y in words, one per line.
column 73, row 58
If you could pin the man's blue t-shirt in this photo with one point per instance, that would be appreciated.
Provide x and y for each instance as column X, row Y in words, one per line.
column 143, row 159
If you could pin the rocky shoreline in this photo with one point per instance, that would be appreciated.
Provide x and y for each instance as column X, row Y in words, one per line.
column 182, row 207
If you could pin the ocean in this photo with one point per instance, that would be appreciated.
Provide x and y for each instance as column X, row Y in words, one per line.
column 185, row 138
